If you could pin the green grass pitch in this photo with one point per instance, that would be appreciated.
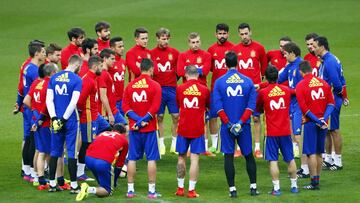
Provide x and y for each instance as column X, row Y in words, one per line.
column 22, row 21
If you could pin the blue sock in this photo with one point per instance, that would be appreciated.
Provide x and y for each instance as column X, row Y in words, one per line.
column 61, row 180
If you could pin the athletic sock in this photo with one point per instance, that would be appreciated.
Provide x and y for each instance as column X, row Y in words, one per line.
column 27, row 170
column 253, row 185
column 181, row 182
column 80, row 169
column 152, row 187
column 337, row 160
column 214, row 140
column 173, row 142
column 52, row 183
column 60, row 180
column 251, row 168
column 42, row 180
column 192, row 185
column 229, row 169
column 233, row 188
column 131, row 187
column 315, row 180
column 276, row 184
column 293, row 182
column 257, row 146
column 161, row 140
column 206, row 144
column 72, row 165
column 74, row 184
column 91, row 190
column 305, row 168
column 329, row 159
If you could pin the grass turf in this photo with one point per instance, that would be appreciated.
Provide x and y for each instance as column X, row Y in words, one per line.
column 49, row 21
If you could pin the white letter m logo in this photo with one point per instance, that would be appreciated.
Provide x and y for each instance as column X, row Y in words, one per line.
column 190, row 104
column 249, row 64
column 231, row 92
column 139, row 98
column 277, row 105
column 165, row 67
column 317, row 94
column 62, row 90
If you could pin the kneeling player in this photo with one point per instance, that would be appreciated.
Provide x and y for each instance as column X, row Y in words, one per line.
column 275, row 101
column 99, row 157
column 316, row 102
column 193, row 98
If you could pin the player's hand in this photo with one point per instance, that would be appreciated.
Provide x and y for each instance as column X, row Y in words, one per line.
column 139, row 124
column 111, row 119
column 322, row 124
column 236, row 129
column 257, row 86
column 33, row 127
column 346, row 102
column 57, row 124
column 16, row 109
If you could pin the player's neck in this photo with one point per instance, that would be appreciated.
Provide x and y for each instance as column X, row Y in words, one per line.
column 36, row 61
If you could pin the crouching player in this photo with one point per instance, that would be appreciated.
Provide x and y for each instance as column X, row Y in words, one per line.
column 275, row 101
column 193, row 98
column 317, row 103
column 99, row 157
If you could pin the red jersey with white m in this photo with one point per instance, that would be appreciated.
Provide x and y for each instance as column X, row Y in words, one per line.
column 106, row 147
column 193, row 99
column 105, row 81
column 68, row 51
column 134, row 57
column 143, row 95
column 165, row 61
column 313, row 94
column 37, row 93
column 103, row 44
column 314, row 63
column 87, row 103
column 200, row 59
column 252, row 61
column 218, row 66
column 118, row 75
column 274, row 100
column 276, row 58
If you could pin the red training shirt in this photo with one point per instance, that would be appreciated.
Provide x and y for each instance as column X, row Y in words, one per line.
column 165, row 61
column 68, row 51
column 37, row 93
column 105, row 81
column 118, row 75
column 314, row 63
column 103, row 44
column 134, row 57
column 87, row 103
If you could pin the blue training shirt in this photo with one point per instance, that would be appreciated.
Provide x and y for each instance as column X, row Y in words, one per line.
column 63, row 84
column 30, row 74
column 234, row 93
column 332, row 72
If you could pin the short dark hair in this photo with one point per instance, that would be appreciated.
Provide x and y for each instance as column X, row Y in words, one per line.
column 48, row 69
column 322, row 41
column 74, row 59
column 285, row 38
column 191, row 70
column 146, row 64
column 312, row 35
column 243, row 26
column 291, row 47
column 271, row 74
column 162, row 31
column 35, row 47
column 75, row 32
column 305, row 67
column 101, row 25
column 139, row 31
column 106, row 53
column 231, row 59
column 222, row 26
column 88, row 43
column 52, row 48
column 119, row 127
column 94, row 60
column 114, row 40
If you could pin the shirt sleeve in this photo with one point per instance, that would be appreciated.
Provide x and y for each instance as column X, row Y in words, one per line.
column 131, row 63
column 263, row 60
column 154, row 108
column 283, row 75
column 331, row 67
column 300, row 96
column 207, row 64
column 181, row 65
column 260, row 102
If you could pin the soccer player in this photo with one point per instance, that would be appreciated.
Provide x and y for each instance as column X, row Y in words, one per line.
column 138, row 52
column 141, row 102
column 61, row 98
column 276, row 57
column 102, row 30
column 311, row 57
column 35, row 100
column 53, row 54
column 332, row 72
column 89, row 48
column 201, row 60
column 316, row 102
column 291, row 73
column 76, row 36
column 118, row 71
column 107, row 101
column 218, row 68
column 235, row 101
column 30, row 74
column 274, row 100
column 91, row 123
column 252, row 63
column 193, row 98
column 165, row 59
column 99, row 159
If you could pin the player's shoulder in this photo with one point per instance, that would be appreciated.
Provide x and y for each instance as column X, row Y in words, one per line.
column 257, row 43
column 272, row 52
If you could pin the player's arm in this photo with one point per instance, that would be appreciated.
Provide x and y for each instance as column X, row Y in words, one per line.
column 64, row 59
column 207, row 64
column 283, row 75
column 155, row 105
column 263, row 60
column 85, row 92
column 134, row 66
column 330, row 102
column 251, row 105
column 334, row 78
column 27, row 101
column 105, row 102
column 218, row 105
column 50, row 102
column 126, row 106
column 300, row 96
column 260, row 102
column 122, row 153
column 181, row 65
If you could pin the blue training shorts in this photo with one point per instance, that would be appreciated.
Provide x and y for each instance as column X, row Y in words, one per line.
column 102, row 171
column 274, row 143
column 244, row 140
column 168, row 98
column 27, row 116
column 213, row 113
column 296, row 118
column 314, row 139
column 143, row 142
column 69, row 134
column 335, row 115
column 197, row 145
column 43, row 140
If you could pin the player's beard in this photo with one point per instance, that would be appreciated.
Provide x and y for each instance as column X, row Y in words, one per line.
column 222, row 40
column 105, row 38
column 98, row 72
